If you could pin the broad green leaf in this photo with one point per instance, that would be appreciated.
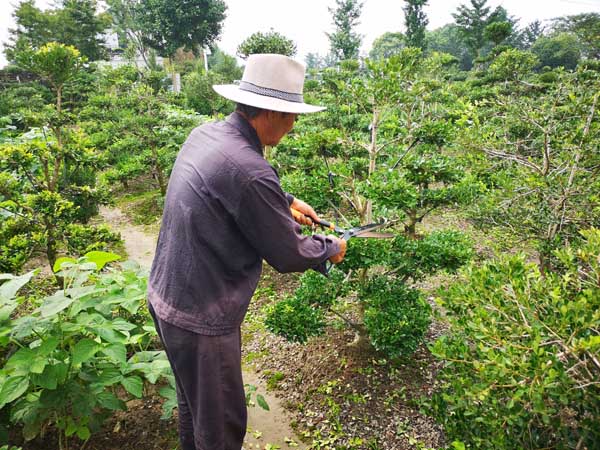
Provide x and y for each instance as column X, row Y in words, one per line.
column 9, row 288
column 116, row 352
column 122, row 325
column 24, row 327
column 71, row 427
column 55, row 304
column 109, row 376
column 12, row 389
column 109, row 401
column 152, row 371
column 6, row 311
column 262, row 402
column 38, row 364
column 171, row 401
column 110, row 335
column 84, row 350
column 101, row 258
column 83, row 433
column 56, row 267
column 48, row 346
column 52, row 376
column 18, row 364
column 147, row 356
column 134, row 385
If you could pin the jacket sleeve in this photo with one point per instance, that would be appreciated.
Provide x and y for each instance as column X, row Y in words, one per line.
column 264, row 218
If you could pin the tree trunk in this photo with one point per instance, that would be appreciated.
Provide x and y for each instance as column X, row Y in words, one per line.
column 51, row 246
column 411, row 226
column 160, row 177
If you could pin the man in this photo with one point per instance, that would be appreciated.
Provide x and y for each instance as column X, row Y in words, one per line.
column 224, row 213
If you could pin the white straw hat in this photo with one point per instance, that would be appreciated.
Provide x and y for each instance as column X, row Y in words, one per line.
column 273, row 82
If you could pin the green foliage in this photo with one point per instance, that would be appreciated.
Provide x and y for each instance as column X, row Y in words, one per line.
column 271, row 42
column 77, row 350
column 513, row 65
column 586, row 27
column 321, row 291
column 344, row 41
column 294, row 319
column 396, row 316
column 57, row 63
column 448, row 39
column 415, row 21
column 498, row 32
column 201, row 97
column 545, row 181
column 82, row 239
column 167, row 25
column 73, row 23
column 473, row 21
column 381, row 148
column 225, row 65
column 561, row 50
column 519, row 366
column 386, row 45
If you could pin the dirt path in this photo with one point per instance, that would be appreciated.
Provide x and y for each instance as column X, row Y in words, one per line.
column 264, row 427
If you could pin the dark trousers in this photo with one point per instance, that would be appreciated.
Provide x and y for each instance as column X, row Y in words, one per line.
column 210, row 390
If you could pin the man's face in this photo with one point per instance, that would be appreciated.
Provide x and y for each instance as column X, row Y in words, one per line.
column 279, row 124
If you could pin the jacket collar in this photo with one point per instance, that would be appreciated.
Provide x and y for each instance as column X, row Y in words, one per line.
column 239, row 122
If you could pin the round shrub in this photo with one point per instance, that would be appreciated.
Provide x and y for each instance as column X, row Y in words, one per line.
column 364, row 253
column 82, row 239
column 396, row 316
column 520, row 356
column 315, row 289
column 295, row 320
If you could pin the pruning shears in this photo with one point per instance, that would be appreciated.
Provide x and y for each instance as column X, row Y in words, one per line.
column 364, row 231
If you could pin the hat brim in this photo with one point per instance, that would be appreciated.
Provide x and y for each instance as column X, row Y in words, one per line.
column 234, row 93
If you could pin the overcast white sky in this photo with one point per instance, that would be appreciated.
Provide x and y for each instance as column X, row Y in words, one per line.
column 307, row 21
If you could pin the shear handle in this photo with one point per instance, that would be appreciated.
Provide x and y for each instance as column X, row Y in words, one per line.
column 330, row 226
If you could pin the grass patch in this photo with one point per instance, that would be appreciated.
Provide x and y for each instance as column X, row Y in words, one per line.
column 274, row 378
column 143, row 208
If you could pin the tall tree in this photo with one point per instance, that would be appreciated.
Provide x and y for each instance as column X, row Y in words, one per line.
column 587, row 29
column 72, row 22
column 447, row 39
column 315, row 61
column 344, row 41
column 271, row 42
column 558, row 50
column 386, row 45
column 498, row 32
column 473, row 21
column 530, row 34
column 167, row 25
column 416, row 21
column 126, row 23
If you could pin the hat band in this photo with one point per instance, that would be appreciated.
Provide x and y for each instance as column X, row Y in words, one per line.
column 281, row 95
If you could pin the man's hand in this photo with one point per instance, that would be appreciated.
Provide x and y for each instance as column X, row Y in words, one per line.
column 336, row 259
column 306, row 210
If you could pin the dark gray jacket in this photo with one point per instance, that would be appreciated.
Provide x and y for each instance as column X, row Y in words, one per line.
column 224, row 212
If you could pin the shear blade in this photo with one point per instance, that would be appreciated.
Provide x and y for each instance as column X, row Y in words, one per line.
column 371, row 234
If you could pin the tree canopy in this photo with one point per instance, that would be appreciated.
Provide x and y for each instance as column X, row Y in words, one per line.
column 386, row 45
column 587, row 29
column 271, row 42
column 415, row 20
column 344, row 41
column 73, row 22
column 472, row 22
column 167, row 25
